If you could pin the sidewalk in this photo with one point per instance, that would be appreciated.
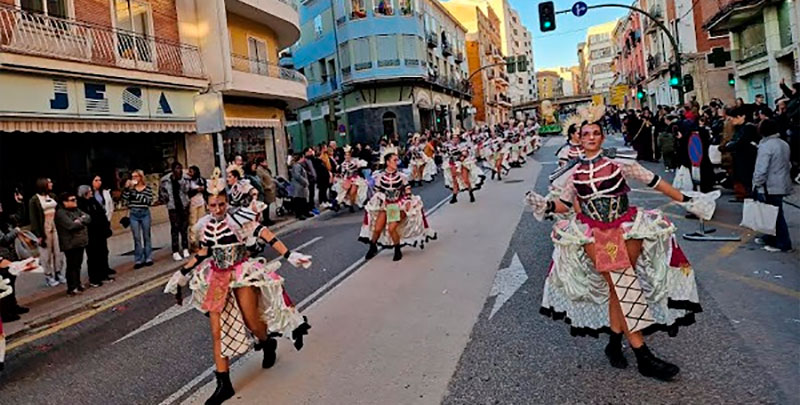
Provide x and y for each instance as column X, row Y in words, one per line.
column 48, row 305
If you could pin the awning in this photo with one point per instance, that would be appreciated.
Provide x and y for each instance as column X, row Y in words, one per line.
column 736, row 14
column 252, row 122
column 95, row 126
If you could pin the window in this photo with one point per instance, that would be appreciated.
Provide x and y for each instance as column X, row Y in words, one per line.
column 318, row 26
column 52, row 8
column 344, row 55
column 406, row 7
column 257, row 52
column 134, row 20
column 384, row 7
column 361, row 54
column 358, row 9
column 387, row 51
column 410, row 50
column 332, row 73
column 389, row 124
column 323, row 70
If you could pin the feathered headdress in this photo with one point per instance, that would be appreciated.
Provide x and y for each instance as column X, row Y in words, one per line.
column 590, row 115
column 216, row 184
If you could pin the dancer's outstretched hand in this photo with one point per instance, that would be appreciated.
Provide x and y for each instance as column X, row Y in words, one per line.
column 299, row 260
column 538, row 203
column 177, row 280
column 701, row 204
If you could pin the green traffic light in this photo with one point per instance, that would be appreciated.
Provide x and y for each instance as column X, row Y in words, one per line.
column 674, row 81
column 547, row 24
column 640, row 95
column 732, row 82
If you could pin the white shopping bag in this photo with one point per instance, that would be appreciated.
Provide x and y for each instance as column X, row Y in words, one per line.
column 760, row 217
column 683, row 179
column 714, row 155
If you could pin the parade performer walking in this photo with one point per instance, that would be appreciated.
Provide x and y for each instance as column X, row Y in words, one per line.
column 500, row 157
column 240, row 292
column 461, row 173
column 572, row 149
column 617, row 268
column 350, row 187
column 393, row 216
column 423, row 168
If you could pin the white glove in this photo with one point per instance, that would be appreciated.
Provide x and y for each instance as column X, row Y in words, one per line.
column 177, row 280
column 702, row 204
column 5, row 287
column 27, row 265
column 299, row 260
column 538, row 203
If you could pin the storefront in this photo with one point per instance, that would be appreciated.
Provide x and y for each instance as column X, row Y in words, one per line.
column 253, row 132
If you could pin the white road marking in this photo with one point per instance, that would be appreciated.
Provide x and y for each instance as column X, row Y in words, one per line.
column 304, row 305
column 507, row 281
column 176, row 310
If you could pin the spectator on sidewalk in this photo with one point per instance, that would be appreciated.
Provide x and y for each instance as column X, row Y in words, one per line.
column 299, row 183
column 103, row 196
column 323, row 173
column 744, row 149
column 9, row 308
column 138, row 196
column 173, row 191
column 197, row 202
column 42, row 210
column 99, row 231
column 73, row 235
column 270, row 188
column 772, row 182
column 308, row 164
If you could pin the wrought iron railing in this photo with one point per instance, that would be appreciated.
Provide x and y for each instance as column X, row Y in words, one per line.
column 750, row 52
column 243, row 63
column 36, row 34
column 433, row 40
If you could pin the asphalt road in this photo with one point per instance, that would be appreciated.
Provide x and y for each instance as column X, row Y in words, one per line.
column 86, row 364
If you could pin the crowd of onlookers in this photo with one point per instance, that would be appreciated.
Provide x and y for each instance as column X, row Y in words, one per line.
column 749, row 148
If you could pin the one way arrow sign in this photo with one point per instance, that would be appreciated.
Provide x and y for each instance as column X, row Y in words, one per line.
column 506, row 282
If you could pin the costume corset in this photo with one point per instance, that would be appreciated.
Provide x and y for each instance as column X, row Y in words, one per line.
column 392, row 185
column 599, row 177
column 226, row 256
column 605, row 209
column 349, row 168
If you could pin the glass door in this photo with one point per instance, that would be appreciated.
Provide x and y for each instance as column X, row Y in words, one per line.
column 135, row 42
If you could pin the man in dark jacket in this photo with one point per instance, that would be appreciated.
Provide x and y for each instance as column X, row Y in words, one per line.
column 323, row 178
column 744, row 148
column 174, row 191
column 99, row 232
column 73, row 236
column 311, row 174
column 9, row 308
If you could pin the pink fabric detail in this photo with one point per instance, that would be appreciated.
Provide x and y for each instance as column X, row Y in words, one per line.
column 217, row 292
column 287, row 300
column 610, row 252
column 626, row 217
column 678, row 258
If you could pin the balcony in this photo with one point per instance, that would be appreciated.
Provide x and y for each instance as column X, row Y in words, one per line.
column 33, row 34
column 446, row 49
column 649, row 26
column 656, row 63
column 433, row 40
column 749, row 53
column 459, row 58
column 281, row 16
column 385, row 10
column 450, row 83
column 503, row 99
column 260, row 79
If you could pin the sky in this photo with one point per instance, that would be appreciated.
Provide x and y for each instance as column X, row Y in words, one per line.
column 559, row 47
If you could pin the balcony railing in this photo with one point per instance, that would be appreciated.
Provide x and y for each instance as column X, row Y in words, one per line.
column 447, row 50
column 749, row 53
column 385, row 10
column 433, row 40
column 29, row 33
column 246, row 64
column 459, row 57
column 451, row 83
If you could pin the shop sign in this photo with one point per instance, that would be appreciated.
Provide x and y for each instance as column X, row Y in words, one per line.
column 55, row 97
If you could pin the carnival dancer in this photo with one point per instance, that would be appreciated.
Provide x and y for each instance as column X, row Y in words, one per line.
column 515, row 156
column 423, row 168
column 617, row 268
column 240, row 292
column 239, row 189
column 350, row 187
column 499, row 160
column 572, row 149
column 461, row 173
column 12, row 269
column 393, row 216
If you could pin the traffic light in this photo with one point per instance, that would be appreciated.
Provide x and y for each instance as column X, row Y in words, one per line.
column 639, row 92
column 688, row 83
column 547, row 16
column 511, row 64
column 731, row 79
column 675, row 76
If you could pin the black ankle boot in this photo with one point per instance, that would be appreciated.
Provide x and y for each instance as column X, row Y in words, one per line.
column 397, row 253
column 454, row 199
column 352, row 209
column 224, row 389
column 471, row 196
column 652, row 366
column 270, row 347
column 373, row 250
column 614, row 351
column 493, row 174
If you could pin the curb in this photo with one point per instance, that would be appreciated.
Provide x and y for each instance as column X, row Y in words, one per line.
column 46, row 320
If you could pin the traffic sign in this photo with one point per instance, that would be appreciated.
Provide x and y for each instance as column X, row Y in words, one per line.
column 579, row 9
column 695, row 149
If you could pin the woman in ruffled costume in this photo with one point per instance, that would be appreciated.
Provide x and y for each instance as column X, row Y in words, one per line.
column 14, row 269
column 572, row 149
column 516, row 157
column 241, row 292
column 499, row 157
column 423, row 168
column 393, row 216
column 350, row 187
column 462, row 173
column 616, row 268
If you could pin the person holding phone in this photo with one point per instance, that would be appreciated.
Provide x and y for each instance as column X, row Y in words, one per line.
column 138, row 196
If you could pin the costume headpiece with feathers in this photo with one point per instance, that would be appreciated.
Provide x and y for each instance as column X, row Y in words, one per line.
column 583, row 115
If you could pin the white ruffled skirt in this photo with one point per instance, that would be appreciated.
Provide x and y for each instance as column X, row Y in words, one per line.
column 343, row 185
column 413, row 229
column 476, row 176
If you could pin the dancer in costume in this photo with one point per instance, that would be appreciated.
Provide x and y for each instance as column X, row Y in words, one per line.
column 461, row 173
column 393, row 216
column 10, row 268
column 500, row 164
column 617, row 268
column 241, row 292
column 423, row 168
column 516, row 158
column 351, row 188
column 572, row 149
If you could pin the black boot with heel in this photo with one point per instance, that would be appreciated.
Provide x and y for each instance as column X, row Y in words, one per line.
column 614, row 351
column 652, row 366
column 224, row 389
